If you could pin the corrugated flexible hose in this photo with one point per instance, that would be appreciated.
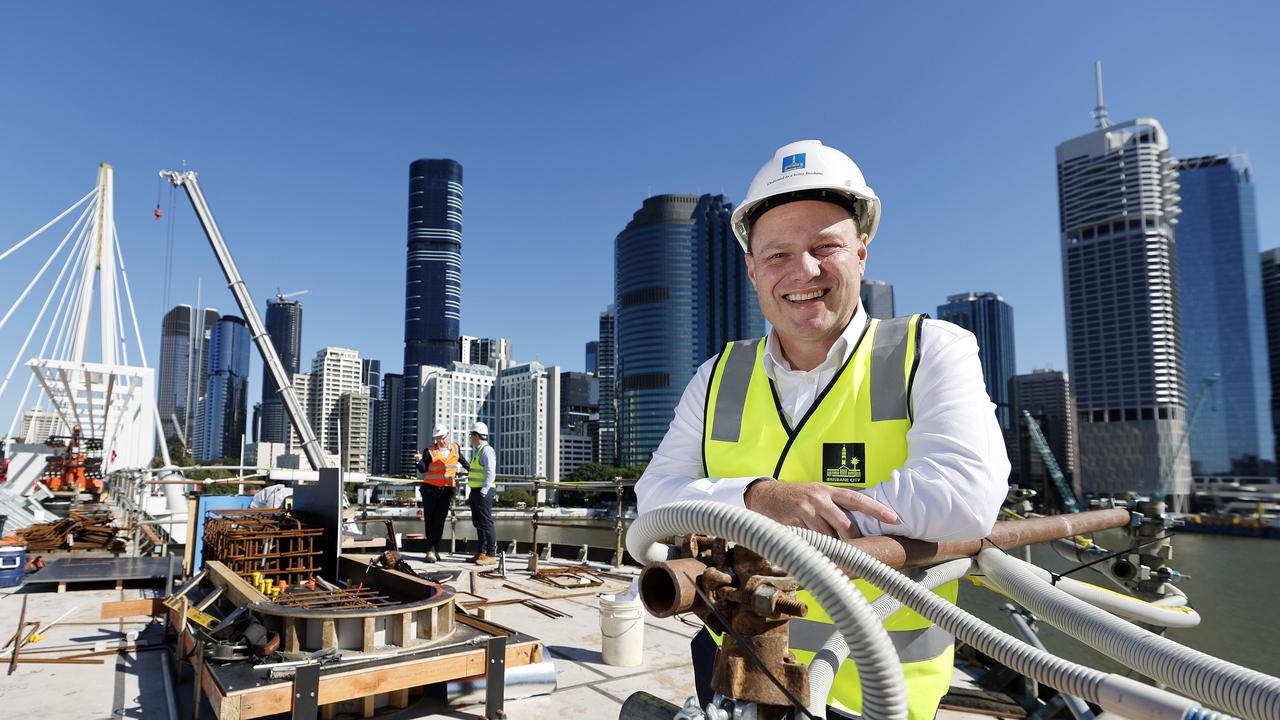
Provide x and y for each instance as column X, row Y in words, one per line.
column 1219, row 683
column 883, row 690
column 1113, row 692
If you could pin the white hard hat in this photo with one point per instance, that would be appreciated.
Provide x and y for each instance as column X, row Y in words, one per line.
column 480, row 429
column 439, row 430
column 808, row 170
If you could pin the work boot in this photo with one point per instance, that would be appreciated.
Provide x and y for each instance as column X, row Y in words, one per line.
column 432, row 556
column 486, row 559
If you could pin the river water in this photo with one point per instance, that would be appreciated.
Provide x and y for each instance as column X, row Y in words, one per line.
column 1232, row 582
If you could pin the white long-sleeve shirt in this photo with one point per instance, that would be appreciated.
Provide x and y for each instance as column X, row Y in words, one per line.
column 956, row 473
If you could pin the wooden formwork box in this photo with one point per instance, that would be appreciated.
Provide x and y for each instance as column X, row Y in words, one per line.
column 235, row 693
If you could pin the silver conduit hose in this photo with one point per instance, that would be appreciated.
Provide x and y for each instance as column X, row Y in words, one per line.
column 1237, row 689
column 884, row 694
column 825, row 664
column 1122, row 695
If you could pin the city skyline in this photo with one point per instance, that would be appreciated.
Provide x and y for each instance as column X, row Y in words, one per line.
column 256, row 169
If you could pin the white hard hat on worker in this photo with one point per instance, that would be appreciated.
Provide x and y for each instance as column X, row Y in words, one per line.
column 807, row 170
column 480, row 429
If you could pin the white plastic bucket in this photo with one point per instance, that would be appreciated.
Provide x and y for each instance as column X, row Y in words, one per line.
column 622, row 630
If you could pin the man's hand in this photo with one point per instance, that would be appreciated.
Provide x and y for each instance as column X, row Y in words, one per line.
column 417, row 456
column 815, row 506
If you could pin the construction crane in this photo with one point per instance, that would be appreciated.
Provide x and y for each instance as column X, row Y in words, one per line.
column 1166, row 478
column 281, row 297
column 284, row 388
column 1051, row 465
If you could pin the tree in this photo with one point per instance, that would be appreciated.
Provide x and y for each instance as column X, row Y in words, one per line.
column 594, row 473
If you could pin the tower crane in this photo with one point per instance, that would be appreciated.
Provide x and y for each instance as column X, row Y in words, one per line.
column 281, row 297
column 1051, row 465
column 1166, row 478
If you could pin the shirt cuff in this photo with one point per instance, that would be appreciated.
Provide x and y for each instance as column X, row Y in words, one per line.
column 731, row 491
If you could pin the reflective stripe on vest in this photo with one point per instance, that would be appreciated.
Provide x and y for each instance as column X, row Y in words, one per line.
column 854, row 436
column 444, row 466
column 478, row 473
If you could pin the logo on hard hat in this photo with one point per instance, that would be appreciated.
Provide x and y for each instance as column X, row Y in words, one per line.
column 793, row 162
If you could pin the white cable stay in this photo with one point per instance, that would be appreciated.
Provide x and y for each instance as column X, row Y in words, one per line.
column 76, row 251
column 40, row 273
column 59, row 320
column 48, row 225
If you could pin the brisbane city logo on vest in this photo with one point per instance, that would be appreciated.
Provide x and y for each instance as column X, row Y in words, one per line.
column 843, row 462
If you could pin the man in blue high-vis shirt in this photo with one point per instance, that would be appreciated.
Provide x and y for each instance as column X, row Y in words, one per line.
column 480, row 497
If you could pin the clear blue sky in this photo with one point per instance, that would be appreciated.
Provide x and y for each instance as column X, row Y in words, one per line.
column 302, row 119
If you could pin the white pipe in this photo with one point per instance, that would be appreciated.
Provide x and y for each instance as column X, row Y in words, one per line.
column 1113, row 692
column 883, row 688
column 1237, row 689
column 826, row 663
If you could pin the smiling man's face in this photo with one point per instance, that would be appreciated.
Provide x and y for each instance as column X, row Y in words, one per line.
column 806, row 262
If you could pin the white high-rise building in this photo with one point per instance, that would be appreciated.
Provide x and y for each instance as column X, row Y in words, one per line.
column 302, row 391
column 494, row 352
column 528, row 434
column 456, row 397
column 334, row 372
column 1117, row 189
column 39, row 425
column 353, row 410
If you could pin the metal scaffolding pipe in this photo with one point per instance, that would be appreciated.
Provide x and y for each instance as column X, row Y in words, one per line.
column 900, row 552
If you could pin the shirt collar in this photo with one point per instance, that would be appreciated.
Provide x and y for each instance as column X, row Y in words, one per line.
column 774, row 360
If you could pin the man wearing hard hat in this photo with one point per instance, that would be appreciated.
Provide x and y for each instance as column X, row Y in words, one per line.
column 835, row 421
column 439, row 469
column 480, row 497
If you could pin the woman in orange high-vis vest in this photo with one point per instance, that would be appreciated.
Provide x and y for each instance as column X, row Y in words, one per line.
column 439, row 469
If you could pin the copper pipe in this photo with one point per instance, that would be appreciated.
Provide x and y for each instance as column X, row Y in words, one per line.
column 900, row 552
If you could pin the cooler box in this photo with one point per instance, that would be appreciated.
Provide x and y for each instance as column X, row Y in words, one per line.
column 13, row 564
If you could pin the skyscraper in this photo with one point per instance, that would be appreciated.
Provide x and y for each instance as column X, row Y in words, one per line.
column 1046, row 394
column 579, row 419
column 334, row 372
column 1117, row 194
column 681, row 292
column 990, row 319
column 1271, row 302
column 528, row 421
column 1223, row 325
column 174, row 381
column 284, row 325
column 390, row 416
column 433, row 283
column 371, row 379
column 456, row 397
column 877, row 298
column 607, row 365
column 494, row 352
column 182, row 378
column 198, row 377
column 227, row 390
column 593, row 351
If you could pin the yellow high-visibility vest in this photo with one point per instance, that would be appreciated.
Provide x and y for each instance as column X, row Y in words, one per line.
column 854, row 436
column 478, row 472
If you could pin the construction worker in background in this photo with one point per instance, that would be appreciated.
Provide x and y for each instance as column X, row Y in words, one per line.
column 835, row 421
column 438, row 464
column 480, row 480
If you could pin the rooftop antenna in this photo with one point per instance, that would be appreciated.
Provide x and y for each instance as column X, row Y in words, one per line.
column 1100, row 112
